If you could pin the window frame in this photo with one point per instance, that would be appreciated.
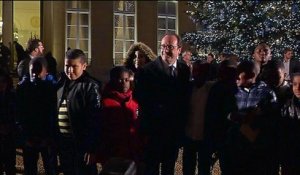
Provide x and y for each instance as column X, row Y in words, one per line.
column 79, row 11
column 166, row 16
column 124, row 40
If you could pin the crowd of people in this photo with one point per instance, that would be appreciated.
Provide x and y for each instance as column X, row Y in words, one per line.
column 246, row 112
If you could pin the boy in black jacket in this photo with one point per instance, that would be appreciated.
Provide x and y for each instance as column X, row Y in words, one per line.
column 36, row 103
column 7, row 125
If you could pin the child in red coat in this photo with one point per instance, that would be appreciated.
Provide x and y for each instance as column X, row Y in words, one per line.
column 119, row 119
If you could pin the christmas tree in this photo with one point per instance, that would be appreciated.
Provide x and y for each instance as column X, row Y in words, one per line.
column 238, row 26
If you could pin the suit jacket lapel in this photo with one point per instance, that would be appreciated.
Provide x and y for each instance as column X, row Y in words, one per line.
column 291, row 66
column 161, row 66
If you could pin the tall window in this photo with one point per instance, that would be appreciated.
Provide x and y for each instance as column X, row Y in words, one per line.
column 167, row 22
column 124, row 29
column 78, row 28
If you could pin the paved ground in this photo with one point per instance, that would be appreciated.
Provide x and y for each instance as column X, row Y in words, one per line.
column 20, row 168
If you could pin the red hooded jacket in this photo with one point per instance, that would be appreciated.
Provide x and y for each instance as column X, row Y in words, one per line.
column 119, row 123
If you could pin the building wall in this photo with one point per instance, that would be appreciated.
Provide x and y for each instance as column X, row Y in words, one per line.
column 102, row 31
column 146, row 13
column 102, row 39
column 47, row 20
column 7, row 28
column 53, row 30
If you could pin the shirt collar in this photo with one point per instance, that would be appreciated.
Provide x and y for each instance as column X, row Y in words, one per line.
column 31, row 56
column 248, row 89
column 174, row 64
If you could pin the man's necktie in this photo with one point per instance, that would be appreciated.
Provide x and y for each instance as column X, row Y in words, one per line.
column 172, row 71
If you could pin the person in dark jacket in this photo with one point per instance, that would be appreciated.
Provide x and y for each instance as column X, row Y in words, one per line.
column 251, row 138
column 195, row 148
column 36, row 104
column 34, row 49
column 162, row 93
column 78, row 106
column 51, row 61
column 290, row 129
column 5, row 55
column 7, row 125
column 291, row 65
column 273, row 75
column 138, row 55
column 21, row 54
column 220, row 103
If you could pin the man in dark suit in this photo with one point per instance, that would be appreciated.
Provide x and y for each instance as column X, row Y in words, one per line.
column 34, row 49
column 291, row 65
column 162, row 90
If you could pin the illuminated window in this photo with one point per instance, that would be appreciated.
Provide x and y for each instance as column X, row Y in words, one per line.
column 167, row 19
column 124, row 29
column 78, row 28
column 27, row 21
column 26, row 25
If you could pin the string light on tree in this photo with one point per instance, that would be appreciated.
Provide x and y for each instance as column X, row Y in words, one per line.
column 238, row 26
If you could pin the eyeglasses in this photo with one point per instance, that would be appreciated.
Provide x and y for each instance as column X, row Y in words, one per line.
column 170, row 47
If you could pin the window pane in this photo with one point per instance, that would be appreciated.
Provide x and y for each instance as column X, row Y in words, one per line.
column 118, row 6
column 118, row 46
column 84, row 4
column 172, row 8
column 78, row 25
column 83, row 19
column 171, row 23
column 72, row 4
column 83, row 32
column 158, row 45
column 119, row 59
column 124, row 28
column 172, row 31
column 71, row 43
column 119, row 33
column 161, row 8
column 167, row 11
column 119, row 21
column 71, row 32
column 72, row 18
column 160, row 34
column 128, row 44
column 129, row 34
column 130, row 21
column 158, row 48
column 129, row 6
column 84, row 45
column 162, row 23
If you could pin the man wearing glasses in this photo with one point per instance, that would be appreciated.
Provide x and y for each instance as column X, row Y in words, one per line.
column 161, row 90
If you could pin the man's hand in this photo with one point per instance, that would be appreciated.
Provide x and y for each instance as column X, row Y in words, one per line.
column 89, row 158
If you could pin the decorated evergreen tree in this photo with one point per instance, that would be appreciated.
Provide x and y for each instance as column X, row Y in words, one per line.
column 238, row 26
